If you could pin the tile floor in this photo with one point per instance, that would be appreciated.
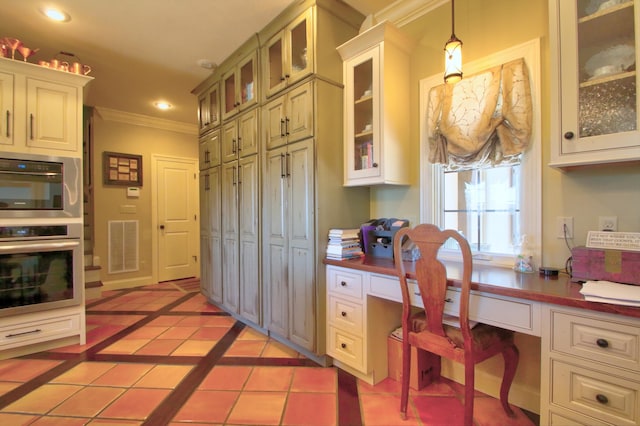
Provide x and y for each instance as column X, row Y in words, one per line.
column 161, row 355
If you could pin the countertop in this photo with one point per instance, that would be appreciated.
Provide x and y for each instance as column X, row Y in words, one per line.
column 558, row 290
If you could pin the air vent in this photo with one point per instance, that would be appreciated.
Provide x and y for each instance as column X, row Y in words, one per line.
column 123, row 246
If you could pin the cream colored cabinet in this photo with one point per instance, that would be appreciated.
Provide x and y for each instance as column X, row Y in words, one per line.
column 211, row 233
column 590, row 368
column 239, row 86
column 42, row 109
column 289, row 242
column 289, row 118
column 595, row 102
column 240, row 235
column 289, row 54
column 209, row 108
column 209, row 150
column 376, row 103
column 240, row 136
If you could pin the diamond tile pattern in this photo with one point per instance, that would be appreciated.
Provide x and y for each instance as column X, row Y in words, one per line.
column 161, row 354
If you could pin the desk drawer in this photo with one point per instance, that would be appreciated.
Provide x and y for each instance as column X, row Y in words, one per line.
column 345, row 314
column 346, row 348
column 605, row 396
column 596, row 338
column 345, row 282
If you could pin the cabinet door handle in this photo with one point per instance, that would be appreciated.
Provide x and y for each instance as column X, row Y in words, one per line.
column 239, row 175
column 37, row 330
column 343, row 313
column 603, row 343
column 206, row 157
column 569, row 135
column 31, row 126
column 286, row 126
column 234, row 176
column 8, row 123
column 239, row 143
column 288, row 163
column 343, row 283
column 282, row 127
column 343, row 345
column 282, row 174
column 206, row 182
column 287, row 76
column 448, row 300
column 233, row 145
column 282, row 78
column 602, row 399
column 375, row 164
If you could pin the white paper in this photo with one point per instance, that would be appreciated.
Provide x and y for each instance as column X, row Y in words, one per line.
column 610, row 292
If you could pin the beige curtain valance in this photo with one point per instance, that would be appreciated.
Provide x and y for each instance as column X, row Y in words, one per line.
column 484, row 120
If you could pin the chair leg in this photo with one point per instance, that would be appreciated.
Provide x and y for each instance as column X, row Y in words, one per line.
column 469, row 391
column 406, row 374
column 511, row 357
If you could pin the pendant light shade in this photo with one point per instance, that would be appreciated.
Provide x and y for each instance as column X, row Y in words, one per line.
column 453, row 54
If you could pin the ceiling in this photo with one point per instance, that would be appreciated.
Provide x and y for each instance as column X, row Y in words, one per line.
column 141, row 51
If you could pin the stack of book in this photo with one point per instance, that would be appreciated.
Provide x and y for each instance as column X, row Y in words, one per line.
column 344, row 244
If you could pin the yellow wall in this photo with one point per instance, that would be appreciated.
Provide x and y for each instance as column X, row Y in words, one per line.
column 116, row 136
column 487, row 26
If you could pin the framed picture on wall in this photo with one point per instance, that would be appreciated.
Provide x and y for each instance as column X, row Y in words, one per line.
column 122, row 169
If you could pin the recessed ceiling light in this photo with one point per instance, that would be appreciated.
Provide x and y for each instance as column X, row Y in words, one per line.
column 162, row 105
column 56, row 14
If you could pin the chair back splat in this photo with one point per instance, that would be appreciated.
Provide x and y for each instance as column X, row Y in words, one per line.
column 428, row 331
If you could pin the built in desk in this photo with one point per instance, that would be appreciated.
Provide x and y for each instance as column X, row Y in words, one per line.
column 590, row 352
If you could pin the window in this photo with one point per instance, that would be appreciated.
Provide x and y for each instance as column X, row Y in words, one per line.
column 495, row 208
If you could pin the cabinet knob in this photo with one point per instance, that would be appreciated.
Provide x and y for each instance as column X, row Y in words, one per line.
column 282, row 78
column 343, row 283
column 602, row 343
column 375, row 164
column 602, row 399
column 448, row 300
column 343, row 313
column 343, row 345
column 569, row 135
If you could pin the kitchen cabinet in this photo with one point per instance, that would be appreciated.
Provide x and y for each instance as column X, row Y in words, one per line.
column 240, row 136
column 289, row 118
column 595, row 103
column 289, row 54
column 376, row 103
column 211, row 233
column 240, row 236
column 239, row 86
column 42, row 109
column 289, row 242
column 209, row 150
column 590, row 368
column 209, row 108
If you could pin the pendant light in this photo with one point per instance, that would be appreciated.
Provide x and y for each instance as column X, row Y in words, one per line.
column 453, row 54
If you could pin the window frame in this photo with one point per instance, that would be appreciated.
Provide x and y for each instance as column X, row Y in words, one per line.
column 431, row 176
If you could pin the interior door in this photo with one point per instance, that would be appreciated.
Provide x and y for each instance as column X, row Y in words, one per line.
column 178, row 237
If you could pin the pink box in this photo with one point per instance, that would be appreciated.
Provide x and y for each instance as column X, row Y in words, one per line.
column 620, row 266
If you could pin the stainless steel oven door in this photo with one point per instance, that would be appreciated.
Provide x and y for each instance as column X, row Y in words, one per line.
column 39, row 186
column 40, row 274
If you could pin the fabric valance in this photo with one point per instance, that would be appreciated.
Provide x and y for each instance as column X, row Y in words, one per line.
column 482, row 121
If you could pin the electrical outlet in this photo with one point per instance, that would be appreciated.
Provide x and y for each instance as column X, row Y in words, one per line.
column 565, row 226
column 608, row 223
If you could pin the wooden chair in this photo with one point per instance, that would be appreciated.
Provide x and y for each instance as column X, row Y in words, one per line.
column 426, row 331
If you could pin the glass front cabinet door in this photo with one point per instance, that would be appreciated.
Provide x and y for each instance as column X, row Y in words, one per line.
column 595, row 102
column 376, row 99
column 239, row 86
column 289, row 54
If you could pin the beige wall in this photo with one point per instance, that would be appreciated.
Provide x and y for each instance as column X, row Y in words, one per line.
column 117, row 136
column 485, row 27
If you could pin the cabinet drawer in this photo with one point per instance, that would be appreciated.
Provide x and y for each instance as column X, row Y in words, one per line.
column 346, row 283
column 607, row 396
column 596, row 338
column 39, row 331
column 346, row 347
column 347, row 315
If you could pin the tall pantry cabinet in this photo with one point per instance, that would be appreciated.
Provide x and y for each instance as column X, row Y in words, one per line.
column 287, row 191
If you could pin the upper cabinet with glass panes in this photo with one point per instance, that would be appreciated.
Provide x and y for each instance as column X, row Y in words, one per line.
column 595, row 104
column 239, row 82
column 288, row 55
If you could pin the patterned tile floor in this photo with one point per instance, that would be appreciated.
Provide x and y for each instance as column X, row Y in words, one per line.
column 161, row 355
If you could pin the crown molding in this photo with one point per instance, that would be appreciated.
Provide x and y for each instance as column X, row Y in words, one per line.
column 109, row 114
column 402, row 12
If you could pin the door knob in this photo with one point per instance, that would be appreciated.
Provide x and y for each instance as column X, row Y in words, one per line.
column 161, row 226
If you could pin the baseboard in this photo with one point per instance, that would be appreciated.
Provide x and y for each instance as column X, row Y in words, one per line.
column 128, row 283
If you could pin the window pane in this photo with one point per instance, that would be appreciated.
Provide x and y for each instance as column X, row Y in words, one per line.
column 484, row 205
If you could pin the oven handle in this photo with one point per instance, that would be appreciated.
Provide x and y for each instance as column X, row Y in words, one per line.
column 45, row 245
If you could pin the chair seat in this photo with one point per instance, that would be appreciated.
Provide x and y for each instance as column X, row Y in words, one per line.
column 484, row 335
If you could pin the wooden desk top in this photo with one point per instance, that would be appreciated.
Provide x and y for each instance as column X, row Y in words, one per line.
column 501, row 281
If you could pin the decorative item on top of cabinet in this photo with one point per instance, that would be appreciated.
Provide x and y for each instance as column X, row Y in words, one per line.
column 239, row 90
column 289, row 54
column 41, row 109
column 376, row 102
column 595, row 102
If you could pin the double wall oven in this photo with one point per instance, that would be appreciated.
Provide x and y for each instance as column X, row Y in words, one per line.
column 41, row 254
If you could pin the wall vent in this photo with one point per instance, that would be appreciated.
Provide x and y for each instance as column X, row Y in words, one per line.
column 123, row 246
